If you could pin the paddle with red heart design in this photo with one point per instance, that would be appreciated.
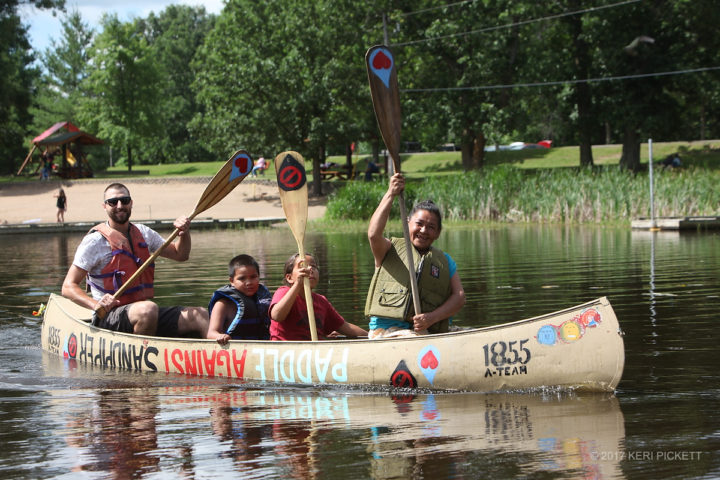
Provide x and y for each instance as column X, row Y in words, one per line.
column 382, row 75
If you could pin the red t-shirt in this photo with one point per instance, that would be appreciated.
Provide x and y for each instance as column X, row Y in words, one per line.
column 295, row 326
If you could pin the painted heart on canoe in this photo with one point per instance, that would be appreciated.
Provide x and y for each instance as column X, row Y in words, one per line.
column 429, row 361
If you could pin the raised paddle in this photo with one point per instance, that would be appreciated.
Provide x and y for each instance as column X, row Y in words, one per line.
column 382, row 75
column 228, row 177
column 292, row 184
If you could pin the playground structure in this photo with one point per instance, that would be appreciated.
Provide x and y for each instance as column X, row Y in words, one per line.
column 63, row 140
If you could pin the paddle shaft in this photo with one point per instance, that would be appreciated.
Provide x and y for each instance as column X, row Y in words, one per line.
column 411, row 256
column 308, row 298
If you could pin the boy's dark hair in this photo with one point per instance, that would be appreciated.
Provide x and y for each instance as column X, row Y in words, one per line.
column 290, row 264
column 429, row 206
column 242, row 261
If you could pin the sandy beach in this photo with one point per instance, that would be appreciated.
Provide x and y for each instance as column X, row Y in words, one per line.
column 153, row 199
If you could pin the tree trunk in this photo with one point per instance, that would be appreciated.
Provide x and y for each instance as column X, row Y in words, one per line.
column 630, row 158
column 607, row 133
column 472, row 149
column 583, row 97
column 348, row 160
column 317, row 182
column 129, row 153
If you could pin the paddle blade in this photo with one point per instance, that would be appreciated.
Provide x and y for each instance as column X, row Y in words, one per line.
column 228, row 177
column 292, row 184
column 382, row 74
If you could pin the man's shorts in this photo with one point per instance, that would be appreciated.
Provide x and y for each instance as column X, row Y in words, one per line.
column 117, row 320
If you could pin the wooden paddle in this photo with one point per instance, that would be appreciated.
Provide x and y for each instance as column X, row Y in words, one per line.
column 228, row 177
column 382, row 74
column 292, row 184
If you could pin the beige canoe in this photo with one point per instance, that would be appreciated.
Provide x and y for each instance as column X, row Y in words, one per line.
column 578, row 348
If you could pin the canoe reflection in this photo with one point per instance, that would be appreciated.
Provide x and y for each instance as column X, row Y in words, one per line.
column 308, row 433
column 406, row 436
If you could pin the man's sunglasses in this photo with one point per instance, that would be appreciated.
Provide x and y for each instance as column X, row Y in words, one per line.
column 114, row 201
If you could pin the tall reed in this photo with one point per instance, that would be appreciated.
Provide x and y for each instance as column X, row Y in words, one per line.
column 507, row 194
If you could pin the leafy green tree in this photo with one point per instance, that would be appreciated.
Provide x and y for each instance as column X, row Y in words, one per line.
column 449, row 62
column 66, row 68
column 17, row 81
column 175, row 35
column 124, row 84
column 274, row 76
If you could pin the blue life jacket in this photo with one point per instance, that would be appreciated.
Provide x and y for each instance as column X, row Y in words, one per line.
column 252, row 321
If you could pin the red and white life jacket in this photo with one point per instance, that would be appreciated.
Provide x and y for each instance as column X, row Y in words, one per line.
column 127, row 256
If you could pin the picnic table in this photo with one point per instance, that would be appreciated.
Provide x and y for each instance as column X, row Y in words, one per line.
column 341, row 172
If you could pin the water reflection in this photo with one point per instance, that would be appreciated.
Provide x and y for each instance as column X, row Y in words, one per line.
column 242, row 442
column 315, row 433
column 117, row 434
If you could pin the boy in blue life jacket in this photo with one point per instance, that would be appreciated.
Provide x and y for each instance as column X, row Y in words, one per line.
column 239, row 310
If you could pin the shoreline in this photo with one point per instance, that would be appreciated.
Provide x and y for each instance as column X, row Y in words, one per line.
column 33, row 202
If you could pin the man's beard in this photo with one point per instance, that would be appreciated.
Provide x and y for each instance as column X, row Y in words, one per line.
column 119, row 216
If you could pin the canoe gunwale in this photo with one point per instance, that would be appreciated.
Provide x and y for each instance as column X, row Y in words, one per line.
column 470, row 331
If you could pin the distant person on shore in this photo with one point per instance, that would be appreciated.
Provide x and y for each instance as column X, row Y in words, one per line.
column 288, row 310
column 61, row 205
column 389, row 303
column 46, row 167
column 260, row 166
column 371, row 168
column 672, row 161
column 239, row 310
column 108, row 256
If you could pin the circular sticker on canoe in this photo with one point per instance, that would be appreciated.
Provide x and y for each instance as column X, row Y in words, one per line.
column 570, row 331
column 590, row 318
column 546, row 335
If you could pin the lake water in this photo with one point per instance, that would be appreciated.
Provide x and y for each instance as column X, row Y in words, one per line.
column 58, row 421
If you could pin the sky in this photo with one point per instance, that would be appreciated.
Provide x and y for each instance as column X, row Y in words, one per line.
column 45, row 27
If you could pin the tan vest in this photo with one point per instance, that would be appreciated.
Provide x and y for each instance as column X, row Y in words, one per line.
column 390, row 294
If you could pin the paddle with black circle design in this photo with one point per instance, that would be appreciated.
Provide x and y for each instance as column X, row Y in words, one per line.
column 225, row 180
column 382, row 75
column 292, row 184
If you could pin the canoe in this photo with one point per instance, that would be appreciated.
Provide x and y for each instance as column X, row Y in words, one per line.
column 579, row 348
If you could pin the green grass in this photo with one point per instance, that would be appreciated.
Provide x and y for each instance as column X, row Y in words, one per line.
column 705, row 154
column 431, row 164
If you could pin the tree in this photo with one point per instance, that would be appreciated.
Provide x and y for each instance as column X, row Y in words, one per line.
column 274, row 76
column 453, row 65
column 66, row 64
column 124, row 85
column 175, row 35
column 17, row 81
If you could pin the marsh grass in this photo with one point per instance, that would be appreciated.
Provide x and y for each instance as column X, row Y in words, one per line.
column 507, row 194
